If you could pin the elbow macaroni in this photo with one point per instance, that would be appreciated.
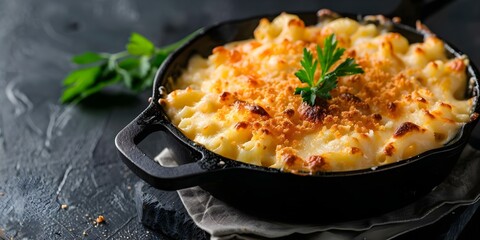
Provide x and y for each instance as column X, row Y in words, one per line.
column 240, row 102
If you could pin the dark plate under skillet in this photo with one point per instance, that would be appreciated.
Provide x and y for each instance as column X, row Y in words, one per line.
column 329, row 196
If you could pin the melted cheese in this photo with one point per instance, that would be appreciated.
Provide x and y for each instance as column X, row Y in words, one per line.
column 240, row 101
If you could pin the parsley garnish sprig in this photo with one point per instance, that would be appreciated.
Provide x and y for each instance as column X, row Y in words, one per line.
column 327, row 57
column 135, row 68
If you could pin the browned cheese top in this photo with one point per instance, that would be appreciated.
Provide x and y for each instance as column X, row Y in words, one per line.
column 240, row 102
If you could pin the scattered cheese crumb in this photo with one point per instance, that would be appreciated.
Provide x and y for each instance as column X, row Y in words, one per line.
column 100, row 219
column 64, row 206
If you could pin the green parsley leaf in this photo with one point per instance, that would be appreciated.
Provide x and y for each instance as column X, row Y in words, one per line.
column 348, row 67
column 79, row 81
column 307, row 74
column 87, row 58
column 129, row 63
column 144, row 66
column 327, row 57
column 139, row 45
column 135, row 68
column 98, row 87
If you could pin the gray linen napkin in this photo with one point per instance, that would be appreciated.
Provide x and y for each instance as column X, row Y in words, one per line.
column 462, row 187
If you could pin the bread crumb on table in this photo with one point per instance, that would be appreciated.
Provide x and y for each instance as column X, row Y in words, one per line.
column 100, row 219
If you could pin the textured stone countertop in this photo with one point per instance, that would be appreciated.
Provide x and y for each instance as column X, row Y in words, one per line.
column 52, row 154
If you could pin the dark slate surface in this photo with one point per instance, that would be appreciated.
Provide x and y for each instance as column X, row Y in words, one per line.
column 52, row 154
column 164, row 212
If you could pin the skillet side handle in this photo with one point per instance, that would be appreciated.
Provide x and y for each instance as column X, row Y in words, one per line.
column 166, row 178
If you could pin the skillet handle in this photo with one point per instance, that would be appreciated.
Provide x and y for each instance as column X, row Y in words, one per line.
column 166, row 178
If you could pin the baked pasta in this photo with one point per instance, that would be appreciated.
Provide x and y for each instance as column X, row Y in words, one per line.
column 240, row 102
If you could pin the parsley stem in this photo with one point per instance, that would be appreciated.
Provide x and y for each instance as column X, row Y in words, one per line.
column 119, row 55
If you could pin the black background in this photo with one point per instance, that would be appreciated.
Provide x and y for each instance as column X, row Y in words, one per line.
column 52, row 154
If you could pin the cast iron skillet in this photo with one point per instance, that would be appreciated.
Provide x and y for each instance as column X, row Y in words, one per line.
column 270, row 192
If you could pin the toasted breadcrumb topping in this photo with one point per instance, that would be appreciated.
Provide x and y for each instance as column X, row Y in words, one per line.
column 240, row 101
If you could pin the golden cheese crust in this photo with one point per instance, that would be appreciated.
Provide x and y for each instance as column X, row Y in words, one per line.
column 240, row 101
